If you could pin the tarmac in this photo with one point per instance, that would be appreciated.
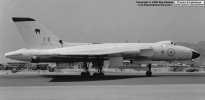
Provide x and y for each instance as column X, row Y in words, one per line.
column 115, row 86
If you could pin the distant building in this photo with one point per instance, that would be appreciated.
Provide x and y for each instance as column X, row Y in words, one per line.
column 2, row 67
column 202, row 67
column 178, row 67
column 18, row 65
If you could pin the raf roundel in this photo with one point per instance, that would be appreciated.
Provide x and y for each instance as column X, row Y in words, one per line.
column 171, row 52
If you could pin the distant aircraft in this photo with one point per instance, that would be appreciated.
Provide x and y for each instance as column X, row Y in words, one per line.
column 44, row 46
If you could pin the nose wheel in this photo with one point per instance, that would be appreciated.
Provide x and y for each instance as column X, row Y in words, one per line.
column 149, row 72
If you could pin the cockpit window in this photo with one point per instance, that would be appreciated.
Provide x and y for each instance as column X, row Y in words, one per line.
column 168, row 42
column 173, row 43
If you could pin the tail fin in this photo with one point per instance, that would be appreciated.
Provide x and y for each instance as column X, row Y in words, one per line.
column 35, row 35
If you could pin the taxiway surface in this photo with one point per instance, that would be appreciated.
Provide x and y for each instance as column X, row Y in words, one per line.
column 115, row 86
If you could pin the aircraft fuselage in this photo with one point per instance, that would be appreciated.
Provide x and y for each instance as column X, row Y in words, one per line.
column 134, row 51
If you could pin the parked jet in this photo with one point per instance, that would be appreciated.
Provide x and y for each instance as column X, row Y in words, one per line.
column 44, row 46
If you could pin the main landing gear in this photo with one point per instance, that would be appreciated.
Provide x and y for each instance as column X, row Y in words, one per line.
column 149, row 72
column 86, row 72
column 99, row 73
column 98, row 63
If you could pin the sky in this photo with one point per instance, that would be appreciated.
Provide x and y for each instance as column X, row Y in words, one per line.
column 101, row 21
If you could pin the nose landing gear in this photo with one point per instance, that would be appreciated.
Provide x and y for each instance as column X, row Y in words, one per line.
column 149, row 72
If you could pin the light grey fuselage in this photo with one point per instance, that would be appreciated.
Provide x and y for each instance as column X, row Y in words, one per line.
column 160, row 51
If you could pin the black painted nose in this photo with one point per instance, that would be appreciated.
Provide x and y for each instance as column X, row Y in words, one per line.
column 195, row 55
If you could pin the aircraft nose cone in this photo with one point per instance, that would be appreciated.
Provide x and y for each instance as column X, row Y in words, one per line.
column 195, row 55
column 7, row 55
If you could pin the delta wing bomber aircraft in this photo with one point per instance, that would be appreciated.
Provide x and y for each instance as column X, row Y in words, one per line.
column 44, row 46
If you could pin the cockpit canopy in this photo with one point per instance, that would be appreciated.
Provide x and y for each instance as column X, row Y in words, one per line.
column 167, row 42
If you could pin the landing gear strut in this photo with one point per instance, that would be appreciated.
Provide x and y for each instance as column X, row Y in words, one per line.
column 100, row 73
column 86, row 72
column 149, row 72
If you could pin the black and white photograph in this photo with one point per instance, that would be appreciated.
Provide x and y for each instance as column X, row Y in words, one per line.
column 102, row 50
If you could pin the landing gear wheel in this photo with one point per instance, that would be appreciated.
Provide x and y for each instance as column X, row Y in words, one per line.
column 148, row 73
column 98, row 63
column 96, row 75
column 102, row 74
column 85, row 74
